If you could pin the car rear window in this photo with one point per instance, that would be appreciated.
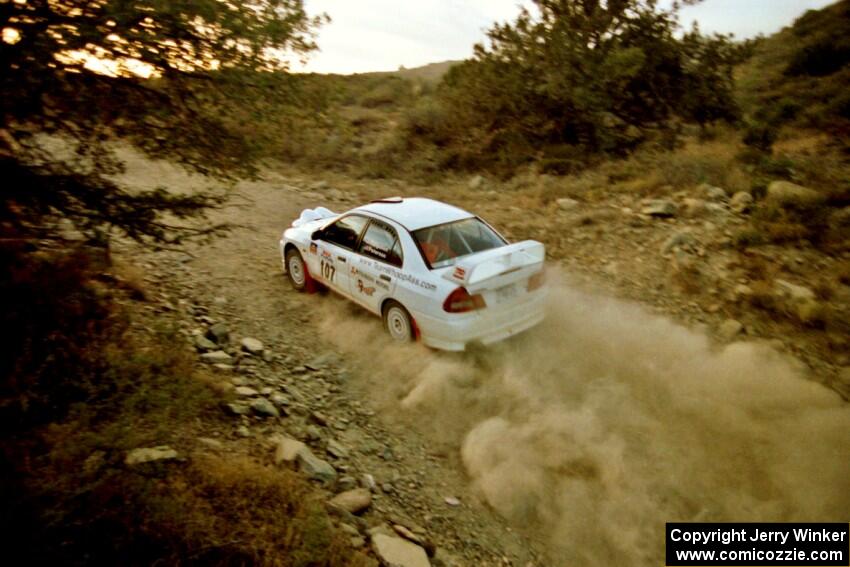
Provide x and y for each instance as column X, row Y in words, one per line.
column 443, row 244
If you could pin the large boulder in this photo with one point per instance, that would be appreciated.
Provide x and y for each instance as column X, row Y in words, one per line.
column 785, row 193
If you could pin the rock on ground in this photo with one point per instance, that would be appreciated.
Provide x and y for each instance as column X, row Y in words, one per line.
column 237, row 409
column 263, row 407
column 219, row 334
column 476, row 182
column 658, row 208
column 801, row 301
column 314, row 467
column 203, row 344
column 712, row 193
column 693, row 207
column 352, row 501
column 396, row 552
column 730, row 329
column 792, row 291
column 252, row 345
column 246, row 391
column 150, row 454
column 683, row 240
column 741, row 202
column 567, row 204
column 287, row 450
column 336, row 449
column 216, row 357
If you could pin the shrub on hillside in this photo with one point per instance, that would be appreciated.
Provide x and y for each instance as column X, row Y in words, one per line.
column 819, row 59
column 59, row 320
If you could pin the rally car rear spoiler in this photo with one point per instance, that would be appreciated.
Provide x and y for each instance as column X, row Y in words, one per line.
column 498, row 267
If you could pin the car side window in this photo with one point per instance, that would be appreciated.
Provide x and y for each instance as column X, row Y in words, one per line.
column 381, row 243
column 345, row 232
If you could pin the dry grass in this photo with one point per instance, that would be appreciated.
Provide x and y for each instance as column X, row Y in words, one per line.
column 582, row 186
column 713, row 162
column 653, row 173
column 67, row 498
column 236, row 511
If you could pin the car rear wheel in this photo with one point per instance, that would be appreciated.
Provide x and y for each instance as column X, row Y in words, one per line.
column 299, row 275
column 398, row 322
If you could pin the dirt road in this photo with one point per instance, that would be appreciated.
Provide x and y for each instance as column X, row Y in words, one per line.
column 570, row 445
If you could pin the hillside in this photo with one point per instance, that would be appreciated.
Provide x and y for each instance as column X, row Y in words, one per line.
column 801, row 74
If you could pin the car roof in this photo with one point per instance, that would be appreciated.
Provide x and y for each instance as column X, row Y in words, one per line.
column 414, row 213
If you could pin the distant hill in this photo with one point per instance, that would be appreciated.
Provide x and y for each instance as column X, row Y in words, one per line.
column 802, row 73
column 430, row 73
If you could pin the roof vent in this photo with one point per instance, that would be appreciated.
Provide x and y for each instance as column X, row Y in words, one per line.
column 390, row 200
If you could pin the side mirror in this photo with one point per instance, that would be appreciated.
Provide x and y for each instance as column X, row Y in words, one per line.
column 317, row 234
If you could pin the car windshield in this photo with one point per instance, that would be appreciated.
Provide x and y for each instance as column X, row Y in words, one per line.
column 443, row 244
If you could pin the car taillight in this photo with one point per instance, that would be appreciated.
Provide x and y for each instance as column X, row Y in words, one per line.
column 460, row 301
column 537, row 280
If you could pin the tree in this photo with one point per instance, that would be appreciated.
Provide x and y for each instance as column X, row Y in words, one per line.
column 180, row 79
column 708, row 88
column 580, row 77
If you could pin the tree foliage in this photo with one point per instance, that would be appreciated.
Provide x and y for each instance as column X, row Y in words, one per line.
column 181, row 79
column 571, row 78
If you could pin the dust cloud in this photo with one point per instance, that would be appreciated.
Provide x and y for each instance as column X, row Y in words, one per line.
column 607, row 421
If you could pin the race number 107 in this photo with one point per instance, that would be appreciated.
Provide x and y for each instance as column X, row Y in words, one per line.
column 328, row 271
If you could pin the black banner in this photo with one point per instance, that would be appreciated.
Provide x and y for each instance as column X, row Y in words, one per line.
column 743, row 544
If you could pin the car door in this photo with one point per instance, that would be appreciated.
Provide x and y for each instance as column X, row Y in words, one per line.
column 376, row 265
column 335, row 246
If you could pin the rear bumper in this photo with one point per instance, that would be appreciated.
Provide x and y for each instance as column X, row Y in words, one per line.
column 454, row 331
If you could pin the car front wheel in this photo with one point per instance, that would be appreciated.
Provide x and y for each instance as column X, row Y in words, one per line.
column 297, row 271
column 398, row 322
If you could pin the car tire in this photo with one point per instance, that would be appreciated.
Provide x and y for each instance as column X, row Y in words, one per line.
column 296, row 270
column 398, row 322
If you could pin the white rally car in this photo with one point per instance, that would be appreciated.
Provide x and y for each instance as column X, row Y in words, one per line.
column 431, row 270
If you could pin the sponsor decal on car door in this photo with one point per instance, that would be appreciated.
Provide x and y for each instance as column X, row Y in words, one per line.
column 368, row 285
column 379, row 248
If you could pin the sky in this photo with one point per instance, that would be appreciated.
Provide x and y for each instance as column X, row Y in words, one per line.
column 381, row 35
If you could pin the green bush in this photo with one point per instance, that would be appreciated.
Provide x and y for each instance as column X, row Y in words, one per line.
column 820, row 59
column 760, row 136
